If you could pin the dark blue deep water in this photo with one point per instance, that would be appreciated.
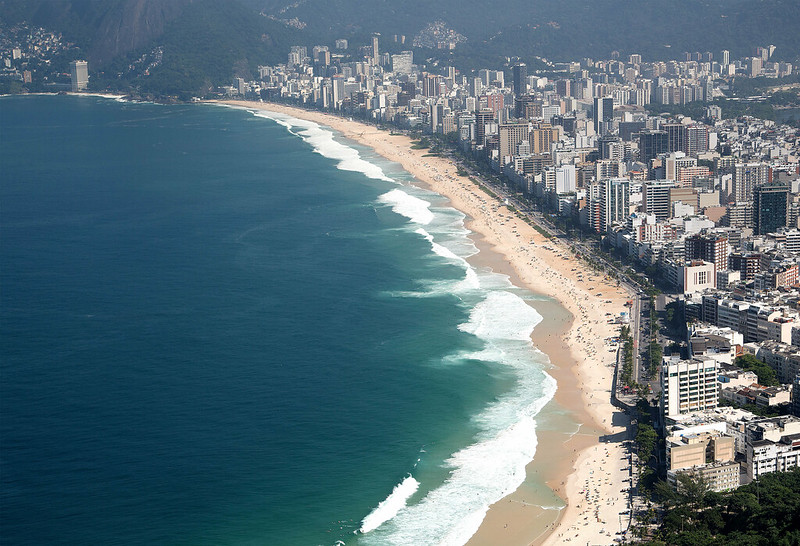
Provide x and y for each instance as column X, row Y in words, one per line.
column 210, row 334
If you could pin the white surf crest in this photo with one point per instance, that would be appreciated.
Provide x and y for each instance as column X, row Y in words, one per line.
column 471, row 281
column 482, row 474
column 502, row 315
column 390, row 506
column 324, row 142
column 494, row 465
column 415, row 209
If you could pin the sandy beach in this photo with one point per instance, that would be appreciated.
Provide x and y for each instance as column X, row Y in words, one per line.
column 580, row 453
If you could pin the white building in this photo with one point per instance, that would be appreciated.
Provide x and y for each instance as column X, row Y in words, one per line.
column 688, row 385
column 79, row 75
column 773, row 445
column 614, row 201
column 692, row 276
column 781, row 357
column 565, row 179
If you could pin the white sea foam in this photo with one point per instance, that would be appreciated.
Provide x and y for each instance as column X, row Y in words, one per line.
column 389, row 507
column 441, row 250
column 415, row 209
column 493, row 466
column 435, row 288
column 471, row 280
column 98, row 95
column 482, row 474
column 323, row 141
column 502, row 315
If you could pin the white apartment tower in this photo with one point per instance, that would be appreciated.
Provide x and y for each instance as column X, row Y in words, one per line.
column 375, row 53
column 688, row 386
column 614, row 201
column 79, row 74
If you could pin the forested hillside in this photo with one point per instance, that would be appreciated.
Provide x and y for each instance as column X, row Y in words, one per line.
column 184, row 46
column 566, row 29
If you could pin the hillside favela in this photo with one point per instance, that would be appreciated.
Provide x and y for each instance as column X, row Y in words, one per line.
column 359, row 273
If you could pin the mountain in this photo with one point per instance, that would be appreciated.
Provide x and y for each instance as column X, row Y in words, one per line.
column 563, row 29
column 182, row 46
column 104, row 29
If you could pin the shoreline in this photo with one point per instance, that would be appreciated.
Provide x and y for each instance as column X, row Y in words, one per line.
column 573, row 337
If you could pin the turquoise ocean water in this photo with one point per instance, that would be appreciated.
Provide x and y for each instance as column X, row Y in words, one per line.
column 228, row 327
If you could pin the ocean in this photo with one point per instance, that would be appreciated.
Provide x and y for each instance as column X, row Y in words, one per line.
column 222, row 326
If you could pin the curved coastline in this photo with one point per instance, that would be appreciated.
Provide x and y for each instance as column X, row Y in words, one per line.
column 571, row 455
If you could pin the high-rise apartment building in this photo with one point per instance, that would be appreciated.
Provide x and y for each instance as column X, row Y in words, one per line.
column 564, row 88
column 565, row 179
column 593, row 207
column 520, row 79
column 614, row 201
column 675, row 162
column 79, row 75
column 739, row 215
column 431, row 85
column 676, row 136
column 709, row 248
column 402, row 62
column 321, row 55
column 748, row 264
column 609, row 168
column 756, row 64
column 511, row 135
column 375, row 53
column 296, row 55
column 770, row 207
column 494, row 101
column 689, row 385
column 603, row 114
column 337, row 89
column 696, row 139
column 746, row 176
column 651, row 144
column 542, row 137
column 656, row 198
column 475, row 86
column 527, row 107
column 482, row 117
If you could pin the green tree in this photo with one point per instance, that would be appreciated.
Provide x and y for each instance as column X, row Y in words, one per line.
column 744, row 503
column 655, row 354
column 665, row 493
column 766, row 375
column 692, row 488
column 646, row 441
